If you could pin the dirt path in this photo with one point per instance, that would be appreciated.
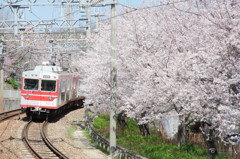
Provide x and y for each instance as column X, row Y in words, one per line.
column 77, row 147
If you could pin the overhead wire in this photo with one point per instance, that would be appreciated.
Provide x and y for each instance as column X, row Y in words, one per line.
column 128, row 12
column 145, row 8
column 138, row 9
column 30, row 10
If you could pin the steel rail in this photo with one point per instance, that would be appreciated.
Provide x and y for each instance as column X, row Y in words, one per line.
column 37, row 141
column 9, row 114
column 45, row 141
column 48, row 142
column 26, row 141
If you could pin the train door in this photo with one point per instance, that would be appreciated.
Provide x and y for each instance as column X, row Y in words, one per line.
column 74, row 87
column 63, row 88
column 69, row 83
column 59, row 91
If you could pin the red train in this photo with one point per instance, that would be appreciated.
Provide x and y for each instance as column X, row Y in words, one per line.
column 48, row 89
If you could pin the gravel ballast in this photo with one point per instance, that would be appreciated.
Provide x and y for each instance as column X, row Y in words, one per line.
column 76, row 147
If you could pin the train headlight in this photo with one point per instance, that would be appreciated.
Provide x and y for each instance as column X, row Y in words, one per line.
column 27, row 96
column 50, row 97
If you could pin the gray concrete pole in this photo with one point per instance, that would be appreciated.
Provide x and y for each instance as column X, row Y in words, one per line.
column 1, row 78
column 51, row 50
column 15, row 12
column 96, row 19
column 22, row 40
column 52, row 55
column 113, row 79
column 88, row 25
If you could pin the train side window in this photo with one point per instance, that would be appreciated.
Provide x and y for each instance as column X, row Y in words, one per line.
column 68, row 84
column 31, row 84
column 63, row 86
column 75, row 82
column 48, row 85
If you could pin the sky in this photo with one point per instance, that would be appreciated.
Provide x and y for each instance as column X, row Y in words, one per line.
column 46, row 12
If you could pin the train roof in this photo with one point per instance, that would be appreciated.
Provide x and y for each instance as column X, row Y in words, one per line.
column 48, row 68
column 45, row 71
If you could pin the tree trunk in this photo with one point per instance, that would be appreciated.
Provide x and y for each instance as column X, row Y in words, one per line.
column 210, row 140
column 181, row 136
column 122, row 120
column 144, row 129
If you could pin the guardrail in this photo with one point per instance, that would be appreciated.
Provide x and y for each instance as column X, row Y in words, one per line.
column 104, row 143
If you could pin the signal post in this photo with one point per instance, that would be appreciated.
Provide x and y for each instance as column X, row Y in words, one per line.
column 1, row 77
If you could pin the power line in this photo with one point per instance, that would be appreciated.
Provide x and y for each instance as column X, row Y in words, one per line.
column 145, row 8
column 128, row 12
column 30, row 10
column 138, row 9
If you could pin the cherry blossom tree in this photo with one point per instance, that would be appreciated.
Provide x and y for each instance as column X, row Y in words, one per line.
column 178, row 58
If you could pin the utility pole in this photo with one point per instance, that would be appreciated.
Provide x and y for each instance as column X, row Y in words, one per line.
column 15, row 9
column 52, row 55
column 22, row 37
column 88, row 25
column 1, row 77
column 113, row 78
column 96, row 19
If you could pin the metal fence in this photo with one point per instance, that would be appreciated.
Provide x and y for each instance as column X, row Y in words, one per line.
column 104, row 143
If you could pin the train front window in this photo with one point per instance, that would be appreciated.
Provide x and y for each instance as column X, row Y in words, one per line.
column 48, row 85
column 31, row 84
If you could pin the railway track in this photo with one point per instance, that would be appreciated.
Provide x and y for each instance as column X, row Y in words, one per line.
column 35, row 138
column 9, row 114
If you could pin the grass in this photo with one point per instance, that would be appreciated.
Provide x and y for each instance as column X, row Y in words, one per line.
column 102, row 125
column 152, row 146
column 70, row 130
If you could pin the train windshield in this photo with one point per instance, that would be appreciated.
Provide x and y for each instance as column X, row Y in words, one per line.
column 31, row 84
column 48, row 85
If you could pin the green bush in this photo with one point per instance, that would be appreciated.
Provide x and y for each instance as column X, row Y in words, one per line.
column 13, row 83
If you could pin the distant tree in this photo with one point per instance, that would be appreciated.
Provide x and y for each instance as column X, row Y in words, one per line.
column 19, row 59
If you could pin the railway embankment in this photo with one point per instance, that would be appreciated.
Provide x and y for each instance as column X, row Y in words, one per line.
column 152, row 146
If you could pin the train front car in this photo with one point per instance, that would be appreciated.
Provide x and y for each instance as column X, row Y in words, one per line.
column 39, row 92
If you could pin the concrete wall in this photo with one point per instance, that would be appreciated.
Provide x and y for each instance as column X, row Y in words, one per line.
column 168, row 126
column 12, row 93
column 11, row 99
